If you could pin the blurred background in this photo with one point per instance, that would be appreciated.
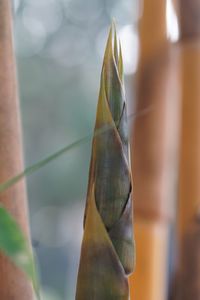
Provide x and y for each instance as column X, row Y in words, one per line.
column 59, row 48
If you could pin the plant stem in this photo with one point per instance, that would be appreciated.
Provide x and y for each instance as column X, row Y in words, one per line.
column 13, row 284
column 155, row 143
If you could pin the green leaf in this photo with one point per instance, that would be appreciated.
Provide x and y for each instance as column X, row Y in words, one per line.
column 14, row 244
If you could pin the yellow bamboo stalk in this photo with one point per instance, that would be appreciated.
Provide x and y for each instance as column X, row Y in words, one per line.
column 152, row 29
column 189, row 187
column 13, row 284
column 154, row 154
column 149, row 281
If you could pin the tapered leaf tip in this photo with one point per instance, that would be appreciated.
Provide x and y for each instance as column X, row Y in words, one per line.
column 116, row 52
column 120, row 63
column 108, row 51
column 113, row 24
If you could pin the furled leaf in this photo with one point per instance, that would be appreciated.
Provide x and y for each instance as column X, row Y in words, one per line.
column 107, row 254
column 14, row 244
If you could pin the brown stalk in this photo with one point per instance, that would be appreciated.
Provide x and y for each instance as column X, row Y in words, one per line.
column 189, row 271
column 13, row 284
column 188, row 277
column 190, row 143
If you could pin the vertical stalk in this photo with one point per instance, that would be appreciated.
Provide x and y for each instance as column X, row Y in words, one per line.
column 13, row 284
column 189, row 269
column 154, row 155
column 190, row 142
column 189, row 187
column 189, row 19
column 152, row 29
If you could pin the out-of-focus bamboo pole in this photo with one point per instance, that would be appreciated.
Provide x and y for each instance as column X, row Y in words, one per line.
column 13, row 284
column 189, row 188
column 188, row 287
column 155, row 142
column 152, row 30
column 189, row 270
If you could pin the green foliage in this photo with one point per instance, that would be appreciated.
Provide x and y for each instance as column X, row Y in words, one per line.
column 14, row 244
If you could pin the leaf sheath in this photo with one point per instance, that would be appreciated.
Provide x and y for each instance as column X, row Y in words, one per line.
column 107, row 254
